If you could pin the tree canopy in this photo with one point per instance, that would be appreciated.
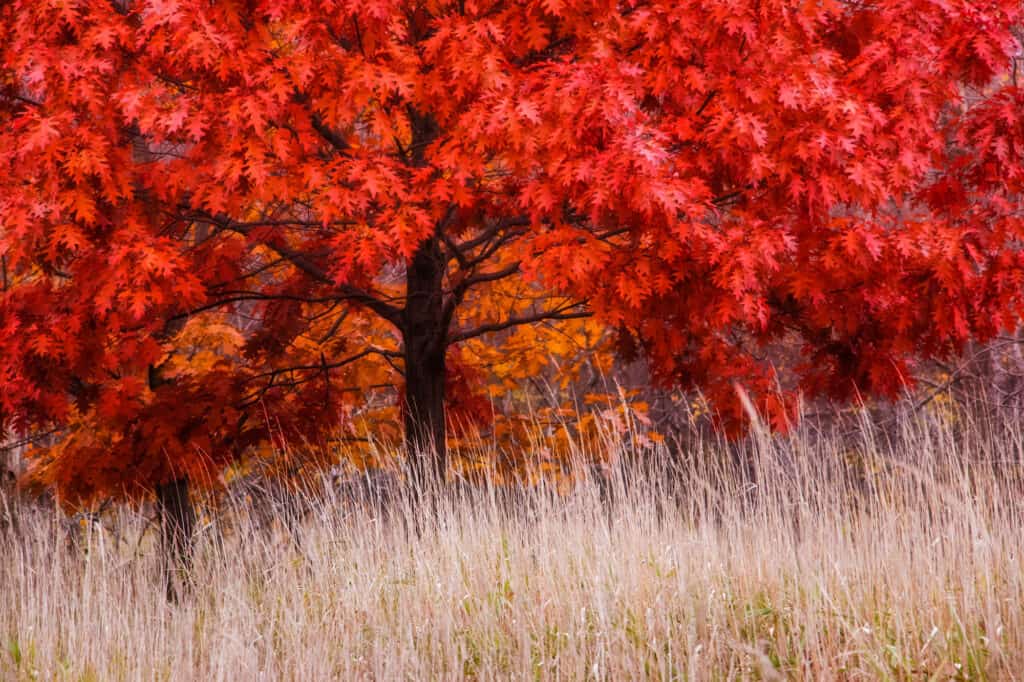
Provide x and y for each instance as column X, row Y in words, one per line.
column 215, row 217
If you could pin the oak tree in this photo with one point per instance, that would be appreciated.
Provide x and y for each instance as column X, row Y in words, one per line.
column 218, row 216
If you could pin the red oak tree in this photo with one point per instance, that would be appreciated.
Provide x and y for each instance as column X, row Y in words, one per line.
column 215, row 212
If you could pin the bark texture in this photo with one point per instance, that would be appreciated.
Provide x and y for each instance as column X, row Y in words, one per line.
column 177, row 526
column 425, row 337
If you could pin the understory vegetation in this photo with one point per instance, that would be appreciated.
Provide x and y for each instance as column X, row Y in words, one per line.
column 864, row 551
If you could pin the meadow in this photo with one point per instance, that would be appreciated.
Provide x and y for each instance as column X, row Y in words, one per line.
column 854, row 551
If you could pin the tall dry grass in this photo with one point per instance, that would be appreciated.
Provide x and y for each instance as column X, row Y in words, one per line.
column 856, row 554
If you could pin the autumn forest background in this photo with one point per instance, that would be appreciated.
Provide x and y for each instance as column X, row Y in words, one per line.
column 511, row 338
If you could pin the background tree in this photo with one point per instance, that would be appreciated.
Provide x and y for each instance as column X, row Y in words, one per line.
column 210, row 213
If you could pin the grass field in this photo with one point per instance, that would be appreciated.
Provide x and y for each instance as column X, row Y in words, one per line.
column 819, row 555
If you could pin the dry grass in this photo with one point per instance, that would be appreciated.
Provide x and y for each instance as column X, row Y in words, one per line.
column 822, row 555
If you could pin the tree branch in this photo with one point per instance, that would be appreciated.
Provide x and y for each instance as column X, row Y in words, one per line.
column 491, row 232
column 460, row 289
column 321, row 366
column 492, row 276
column 239, row 297
column 564, row 313
column 304, row 263
column 339, row 143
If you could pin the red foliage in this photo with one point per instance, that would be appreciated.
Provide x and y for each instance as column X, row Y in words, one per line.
column 707, row 176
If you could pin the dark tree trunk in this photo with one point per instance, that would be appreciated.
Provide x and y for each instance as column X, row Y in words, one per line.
column 177, row 525
column 425, row 336
column 8, row 501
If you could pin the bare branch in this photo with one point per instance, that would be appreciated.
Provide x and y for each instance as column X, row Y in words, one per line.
column 493, row 230
column 492, row 276
column 314, row 371
column 563, row 313
column 239, row 297
column 321, row 366
column 305, row 263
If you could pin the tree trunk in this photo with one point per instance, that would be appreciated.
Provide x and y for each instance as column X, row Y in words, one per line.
column 424, row 337
column 8, row 501
column 177, row 525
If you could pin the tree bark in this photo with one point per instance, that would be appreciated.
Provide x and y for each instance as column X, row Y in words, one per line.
column 425, row 340
column 177, row 525
column 8, row 501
